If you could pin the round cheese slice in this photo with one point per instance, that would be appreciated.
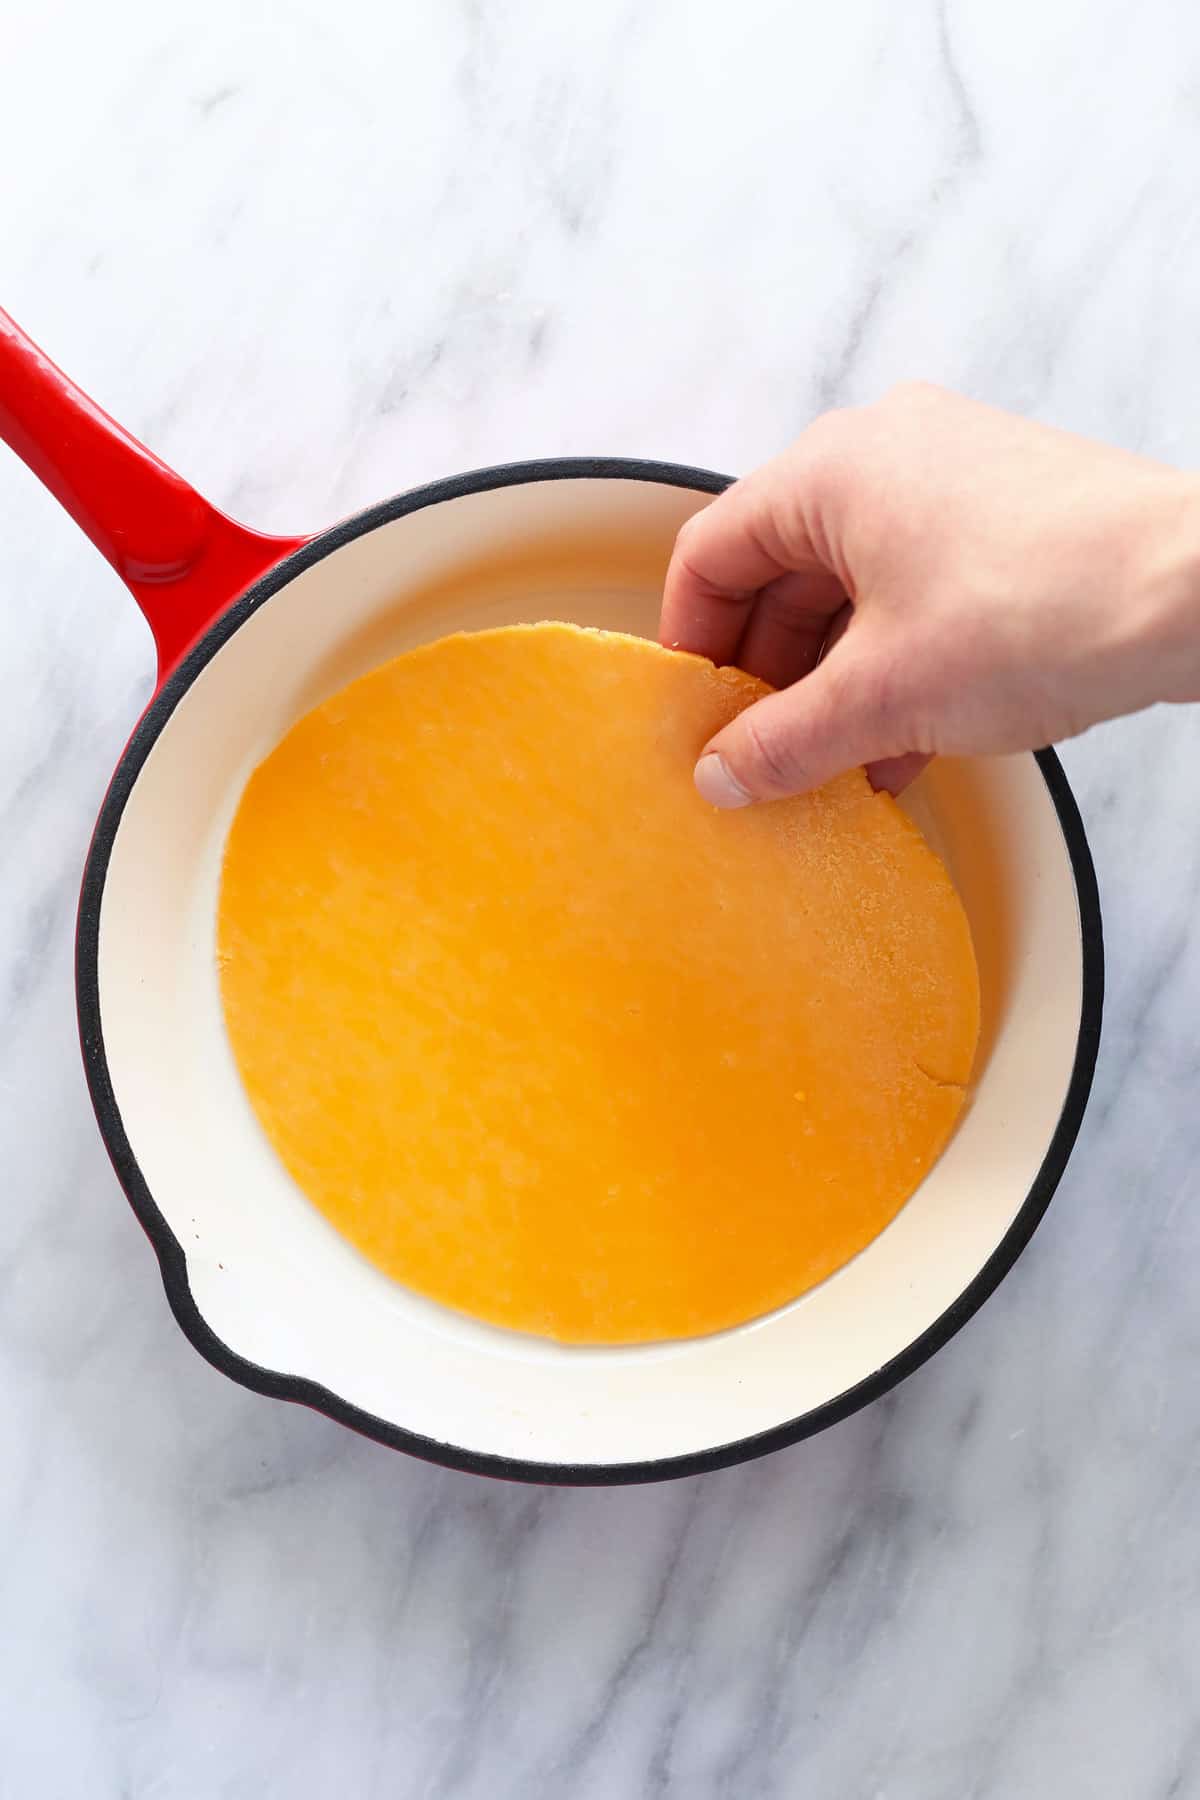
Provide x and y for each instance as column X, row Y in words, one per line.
column 551, row 1040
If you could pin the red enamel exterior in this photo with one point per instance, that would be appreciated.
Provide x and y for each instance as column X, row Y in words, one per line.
column 182, row 560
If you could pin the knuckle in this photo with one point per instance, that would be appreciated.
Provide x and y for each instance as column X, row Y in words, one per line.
column 912, row 393
column 691, row 525
column 828, row 457
column 830, row 426
column 830, row 439
column 885, row 699
column 688, row 534
column 769, row 763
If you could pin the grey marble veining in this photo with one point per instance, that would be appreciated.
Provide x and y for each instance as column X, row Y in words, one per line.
column 314, row 257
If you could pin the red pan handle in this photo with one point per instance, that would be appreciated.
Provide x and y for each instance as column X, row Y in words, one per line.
column 181, row 559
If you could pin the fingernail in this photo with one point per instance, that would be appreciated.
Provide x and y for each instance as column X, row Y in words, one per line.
column 715, row 784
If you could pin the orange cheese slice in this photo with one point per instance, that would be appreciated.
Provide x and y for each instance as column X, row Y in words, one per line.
column 551, row 1040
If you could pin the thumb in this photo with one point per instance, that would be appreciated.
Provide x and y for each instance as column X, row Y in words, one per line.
column 842, row 715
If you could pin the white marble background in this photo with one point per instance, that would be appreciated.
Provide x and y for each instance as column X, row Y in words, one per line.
column 314, row 254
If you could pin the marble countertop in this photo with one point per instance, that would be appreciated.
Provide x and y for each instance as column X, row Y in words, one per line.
column 317, row 254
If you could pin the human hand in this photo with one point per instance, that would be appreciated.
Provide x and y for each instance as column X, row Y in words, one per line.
column 929, row 575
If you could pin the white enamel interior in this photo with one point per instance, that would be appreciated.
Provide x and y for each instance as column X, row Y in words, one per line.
column 275, row 1282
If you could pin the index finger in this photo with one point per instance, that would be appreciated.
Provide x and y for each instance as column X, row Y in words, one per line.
column 724, row 556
